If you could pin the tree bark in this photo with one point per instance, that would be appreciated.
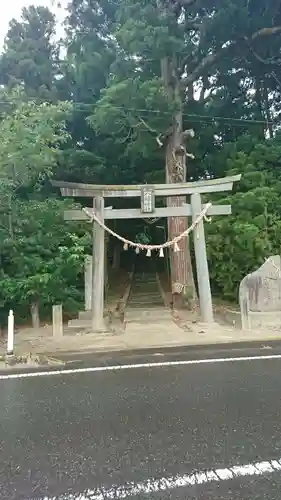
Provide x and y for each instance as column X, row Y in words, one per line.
column 267, row 112
column 182, row 281
column 260, row 105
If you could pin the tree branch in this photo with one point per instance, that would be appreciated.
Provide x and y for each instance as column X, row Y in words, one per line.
column 264, row 61
column 206, row 61
column 211, row 58
column 188, row 133
column 266, row 32
column 198, row 23
column 187, row 3
column 152, row 131
column 273, row 74
column 122, row 141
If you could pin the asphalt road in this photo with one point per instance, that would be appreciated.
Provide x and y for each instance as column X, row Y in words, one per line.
column 133, row 432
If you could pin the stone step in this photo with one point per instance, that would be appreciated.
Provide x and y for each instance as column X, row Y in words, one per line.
column 79, row 323
column 145, row 296
column 147, row 276
column 151, row 310
column 147, row 321
column 85, row 315
column 82, row 324
column 148, row 303
column 147, row 300
column 144, row 289
column 145, row 286
column 147, row 315
column 141, row 296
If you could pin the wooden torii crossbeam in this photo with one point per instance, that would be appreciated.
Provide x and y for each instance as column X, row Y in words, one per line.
column 136, row 213
column 147, row 194
column 79, row 190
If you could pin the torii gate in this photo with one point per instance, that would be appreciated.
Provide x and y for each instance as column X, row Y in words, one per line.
column 147, row 194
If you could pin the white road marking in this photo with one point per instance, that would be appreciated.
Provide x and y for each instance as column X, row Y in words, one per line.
column 160, row 364
column 172, row 482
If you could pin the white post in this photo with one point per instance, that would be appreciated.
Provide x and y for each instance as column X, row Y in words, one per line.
column 11, row 331
column 203, row 280
column 57, row 322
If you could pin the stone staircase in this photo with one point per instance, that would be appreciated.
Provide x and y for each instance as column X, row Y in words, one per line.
column 145, row 304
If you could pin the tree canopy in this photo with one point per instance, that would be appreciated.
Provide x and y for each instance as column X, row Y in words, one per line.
column 114, row 101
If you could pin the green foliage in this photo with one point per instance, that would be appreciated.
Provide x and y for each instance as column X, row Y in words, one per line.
column 216, row 45
column 42, row 259
column 30, row 136
column 30, row 57
column 239, row 244
column 118, row 114
column 96, row 114
column 40, row 256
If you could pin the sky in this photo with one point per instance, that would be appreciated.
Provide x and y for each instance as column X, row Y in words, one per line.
column 13, row 9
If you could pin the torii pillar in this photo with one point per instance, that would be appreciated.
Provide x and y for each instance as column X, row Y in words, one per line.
column 98, row 267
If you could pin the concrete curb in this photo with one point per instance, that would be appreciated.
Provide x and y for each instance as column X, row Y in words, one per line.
column 172, row 350
column 28, row 361
column 195, row 345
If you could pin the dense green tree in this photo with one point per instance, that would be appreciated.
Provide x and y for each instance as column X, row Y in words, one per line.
column 42, row 263
column 30, row 136
column 31, row 56
column 139, row 77
column 164, row 50
column 240, row 243
column 85, row 69
column 37, row 252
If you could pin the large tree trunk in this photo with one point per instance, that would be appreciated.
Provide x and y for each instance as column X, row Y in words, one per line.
column 182, row 281
column 260, row 104
column 267, row 112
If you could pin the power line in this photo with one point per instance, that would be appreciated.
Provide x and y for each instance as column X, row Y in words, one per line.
column 159, row 114
column 188, row 115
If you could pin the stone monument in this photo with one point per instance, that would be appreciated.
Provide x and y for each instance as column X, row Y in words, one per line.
column 260, row 296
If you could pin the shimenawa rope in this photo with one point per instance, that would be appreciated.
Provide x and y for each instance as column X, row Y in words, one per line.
column 150, row 248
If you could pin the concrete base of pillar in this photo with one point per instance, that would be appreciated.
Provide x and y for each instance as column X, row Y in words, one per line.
column 84, row 321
